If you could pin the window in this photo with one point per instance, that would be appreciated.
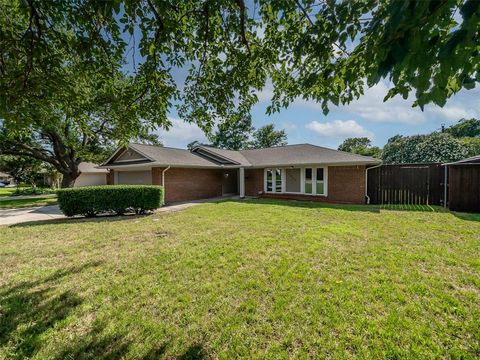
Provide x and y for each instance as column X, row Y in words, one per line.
column 319, row 182
column 308, row 180
column 274, row 180
column 269, row 180
column 278, row 180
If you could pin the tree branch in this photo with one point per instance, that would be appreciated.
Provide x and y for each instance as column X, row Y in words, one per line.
column 241, row 5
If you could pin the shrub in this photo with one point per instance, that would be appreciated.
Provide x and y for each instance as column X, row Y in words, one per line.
column 91, row 200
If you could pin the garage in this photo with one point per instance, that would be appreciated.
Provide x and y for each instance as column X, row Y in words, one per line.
column 90, row 175
column 133, row 177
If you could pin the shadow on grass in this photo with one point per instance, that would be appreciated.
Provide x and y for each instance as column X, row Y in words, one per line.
column 79, row 220
column 347, row 207
column 467, row 216
column 29, row 309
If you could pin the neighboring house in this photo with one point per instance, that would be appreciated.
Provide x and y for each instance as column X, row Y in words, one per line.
column 5, row 177
column 303, row 171
column 90, row 175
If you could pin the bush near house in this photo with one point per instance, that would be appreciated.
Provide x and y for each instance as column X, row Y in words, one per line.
column 92, row 200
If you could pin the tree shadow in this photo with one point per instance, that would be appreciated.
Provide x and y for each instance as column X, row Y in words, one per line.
column 467, row 216
column 194, row 352
column 79, row 220
column 29, row 309
column 346, row 207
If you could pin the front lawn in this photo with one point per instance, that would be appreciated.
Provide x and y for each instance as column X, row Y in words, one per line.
column 253, row 279
column 21, row 203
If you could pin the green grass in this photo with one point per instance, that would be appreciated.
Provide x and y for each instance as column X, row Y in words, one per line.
column 253, row 279
column 20, row 203
column 7, row 191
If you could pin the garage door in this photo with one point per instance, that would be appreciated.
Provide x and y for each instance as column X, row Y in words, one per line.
column 135, row 177
column 90, row 180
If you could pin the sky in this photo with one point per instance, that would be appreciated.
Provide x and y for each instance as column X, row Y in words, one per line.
column 304, row 122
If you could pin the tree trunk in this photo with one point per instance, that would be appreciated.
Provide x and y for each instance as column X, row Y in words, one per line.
column 69, row 179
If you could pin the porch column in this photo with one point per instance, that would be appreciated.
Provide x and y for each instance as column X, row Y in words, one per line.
column 241, row 175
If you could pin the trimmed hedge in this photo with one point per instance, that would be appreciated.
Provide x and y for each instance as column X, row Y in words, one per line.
column 92, row 200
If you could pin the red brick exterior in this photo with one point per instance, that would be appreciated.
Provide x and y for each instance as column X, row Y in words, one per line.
column 253, row 182
column 346, row 185
column 184, row 184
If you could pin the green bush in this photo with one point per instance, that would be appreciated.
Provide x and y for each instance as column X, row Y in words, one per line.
column 92, row 200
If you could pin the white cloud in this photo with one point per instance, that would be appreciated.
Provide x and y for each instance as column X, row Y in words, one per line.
column 339, row 129
column 453, row 113
column 181, row 133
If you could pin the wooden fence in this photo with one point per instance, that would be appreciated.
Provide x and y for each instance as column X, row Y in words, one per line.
column 464, row 187
column 409, row 184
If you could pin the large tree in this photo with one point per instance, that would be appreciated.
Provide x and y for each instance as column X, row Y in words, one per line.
column 431, row 148
column 64, row 74
column 234, row 134
column 266, row 136
column 361, row 146
column 326, row 51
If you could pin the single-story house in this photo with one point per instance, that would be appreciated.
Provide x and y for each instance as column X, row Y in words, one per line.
column 302, row 172
column 5, row 177
column 91, row 175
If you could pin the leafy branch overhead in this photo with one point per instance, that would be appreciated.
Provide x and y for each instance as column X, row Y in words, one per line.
column 74, row 74
column 326, row 51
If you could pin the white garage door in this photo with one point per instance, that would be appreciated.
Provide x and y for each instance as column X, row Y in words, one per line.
column 90, row 180
column 135, row 177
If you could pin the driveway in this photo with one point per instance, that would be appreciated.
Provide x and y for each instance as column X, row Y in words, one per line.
column 16, row 216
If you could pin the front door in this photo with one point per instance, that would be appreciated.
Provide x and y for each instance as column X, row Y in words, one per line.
column 230, row 182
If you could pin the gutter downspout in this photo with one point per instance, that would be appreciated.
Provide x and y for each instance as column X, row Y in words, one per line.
column 163, row 180
column 366, row 180
column 445, row 186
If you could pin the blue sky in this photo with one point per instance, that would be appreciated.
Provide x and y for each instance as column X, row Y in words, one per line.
column 368, row 116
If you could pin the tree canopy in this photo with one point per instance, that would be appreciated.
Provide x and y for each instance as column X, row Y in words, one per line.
column 82, row 67
column 361, row 146
column 266, row 136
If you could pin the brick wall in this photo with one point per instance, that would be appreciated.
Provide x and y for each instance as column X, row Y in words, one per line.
column 346, row 185
column 253, row 181
column 183, row 184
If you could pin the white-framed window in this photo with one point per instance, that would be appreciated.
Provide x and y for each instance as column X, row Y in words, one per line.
column 274, row 179
column 320, row 181
column 309, row 180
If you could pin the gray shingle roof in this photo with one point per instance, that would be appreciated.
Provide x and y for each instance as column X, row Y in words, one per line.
column 89, row 168
column 171, row 156
column 301, row 154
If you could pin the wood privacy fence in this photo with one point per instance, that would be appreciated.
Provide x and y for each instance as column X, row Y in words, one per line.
column 409, row 184
column 464, row 187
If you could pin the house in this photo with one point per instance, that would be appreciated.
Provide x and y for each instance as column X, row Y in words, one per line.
column 90, row 175
column 4, row 177
column 303, row 171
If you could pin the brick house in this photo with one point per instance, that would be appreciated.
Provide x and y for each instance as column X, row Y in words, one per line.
column 302, row 172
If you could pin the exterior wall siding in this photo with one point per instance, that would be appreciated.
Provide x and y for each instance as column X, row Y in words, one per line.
column 184, row 184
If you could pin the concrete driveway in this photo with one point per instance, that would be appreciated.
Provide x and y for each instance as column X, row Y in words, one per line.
column 16, row 216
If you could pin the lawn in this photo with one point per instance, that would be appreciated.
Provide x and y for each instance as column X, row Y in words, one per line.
column 19, row 203
column 253, row 279
column 7, row 191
